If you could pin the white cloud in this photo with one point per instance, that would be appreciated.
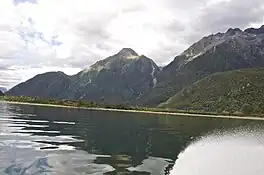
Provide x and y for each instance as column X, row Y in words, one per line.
column 72, row 34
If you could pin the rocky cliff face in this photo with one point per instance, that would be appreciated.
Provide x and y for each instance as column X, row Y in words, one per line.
column 235, row 49
column 121, row 78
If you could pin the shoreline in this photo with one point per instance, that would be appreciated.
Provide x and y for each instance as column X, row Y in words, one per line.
column 139, row 111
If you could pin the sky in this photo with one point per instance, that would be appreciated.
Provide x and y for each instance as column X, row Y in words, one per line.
column 37, row 36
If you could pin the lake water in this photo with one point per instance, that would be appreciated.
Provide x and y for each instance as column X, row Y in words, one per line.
column 43, row 140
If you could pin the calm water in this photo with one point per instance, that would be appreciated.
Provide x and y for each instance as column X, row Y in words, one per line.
column 42, row 140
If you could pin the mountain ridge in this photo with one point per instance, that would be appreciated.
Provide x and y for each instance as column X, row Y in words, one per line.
column 218, row 52
column 120, row 78
column 236, row 91
column 127, row 77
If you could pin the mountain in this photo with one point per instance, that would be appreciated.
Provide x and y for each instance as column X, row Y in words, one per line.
column 234, row 49
column 2, row 89
column 255, row 31
column 1, row 93
column 232, row 91
column 121, row 78
column 47, row 85
column 129, row 78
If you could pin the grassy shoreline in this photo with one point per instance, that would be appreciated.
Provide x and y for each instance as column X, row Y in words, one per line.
column 143, row 110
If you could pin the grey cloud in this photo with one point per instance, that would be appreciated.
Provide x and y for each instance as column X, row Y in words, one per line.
column 95, row 28
column 6, row 57
column 93, row 31
column 5, row 83
column 172, row 27
column 215, row 18
column 16, row 2
column 180, row 33
column 135, row 8
column 194, row 37
column 185, row 5
column 4, row 68
column 94, row 35
column 166, row 54
column 232, row 14
column 8, row 80
column 175, row 26
column 82, row 61
column 8, row 77
column 211, row 19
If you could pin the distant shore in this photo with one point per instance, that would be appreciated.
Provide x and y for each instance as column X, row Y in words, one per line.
column 139, row 111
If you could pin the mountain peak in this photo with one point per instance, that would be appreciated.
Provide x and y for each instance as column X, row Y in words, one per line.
column 233, row 31
column 255, row 31
column 127, row 52
column 3, row 89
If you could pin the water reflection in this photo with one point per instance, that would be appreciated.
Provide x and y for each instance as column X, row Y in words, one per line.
column 153, row 165
column 40, row 166
column 59, row 162
column 30, row 147
column 76, row 141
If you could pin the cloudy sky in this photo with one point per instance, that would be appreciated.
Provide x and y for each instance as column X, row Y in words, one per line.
column 37, row 36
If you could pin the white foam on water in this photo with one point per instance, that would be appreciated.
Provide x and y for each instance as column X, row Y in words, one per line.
column 66, row 147
column 152, row 165
column 21, row 120
column 63, row 122
column 3, row 119
column 240, row 152
column 25, row 125
column 39, row 121
column 67, row 138
column 14, row 134
column 37, row 131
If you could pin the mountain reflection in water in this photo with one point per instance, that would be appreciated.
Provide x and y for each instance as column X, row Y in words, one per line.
column 62, row 141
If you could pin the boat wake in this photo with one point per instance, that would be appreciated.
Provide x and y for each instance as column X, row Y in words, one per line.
column 240, row 152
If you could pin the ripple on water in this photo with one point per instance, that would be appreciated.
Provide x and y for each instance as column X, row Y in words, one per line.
column 28, row 162
column 25, row 151
column 239, row 152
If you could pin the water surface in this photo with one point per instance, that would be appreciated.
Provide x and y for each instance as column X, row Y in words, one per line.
column 45, row 140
